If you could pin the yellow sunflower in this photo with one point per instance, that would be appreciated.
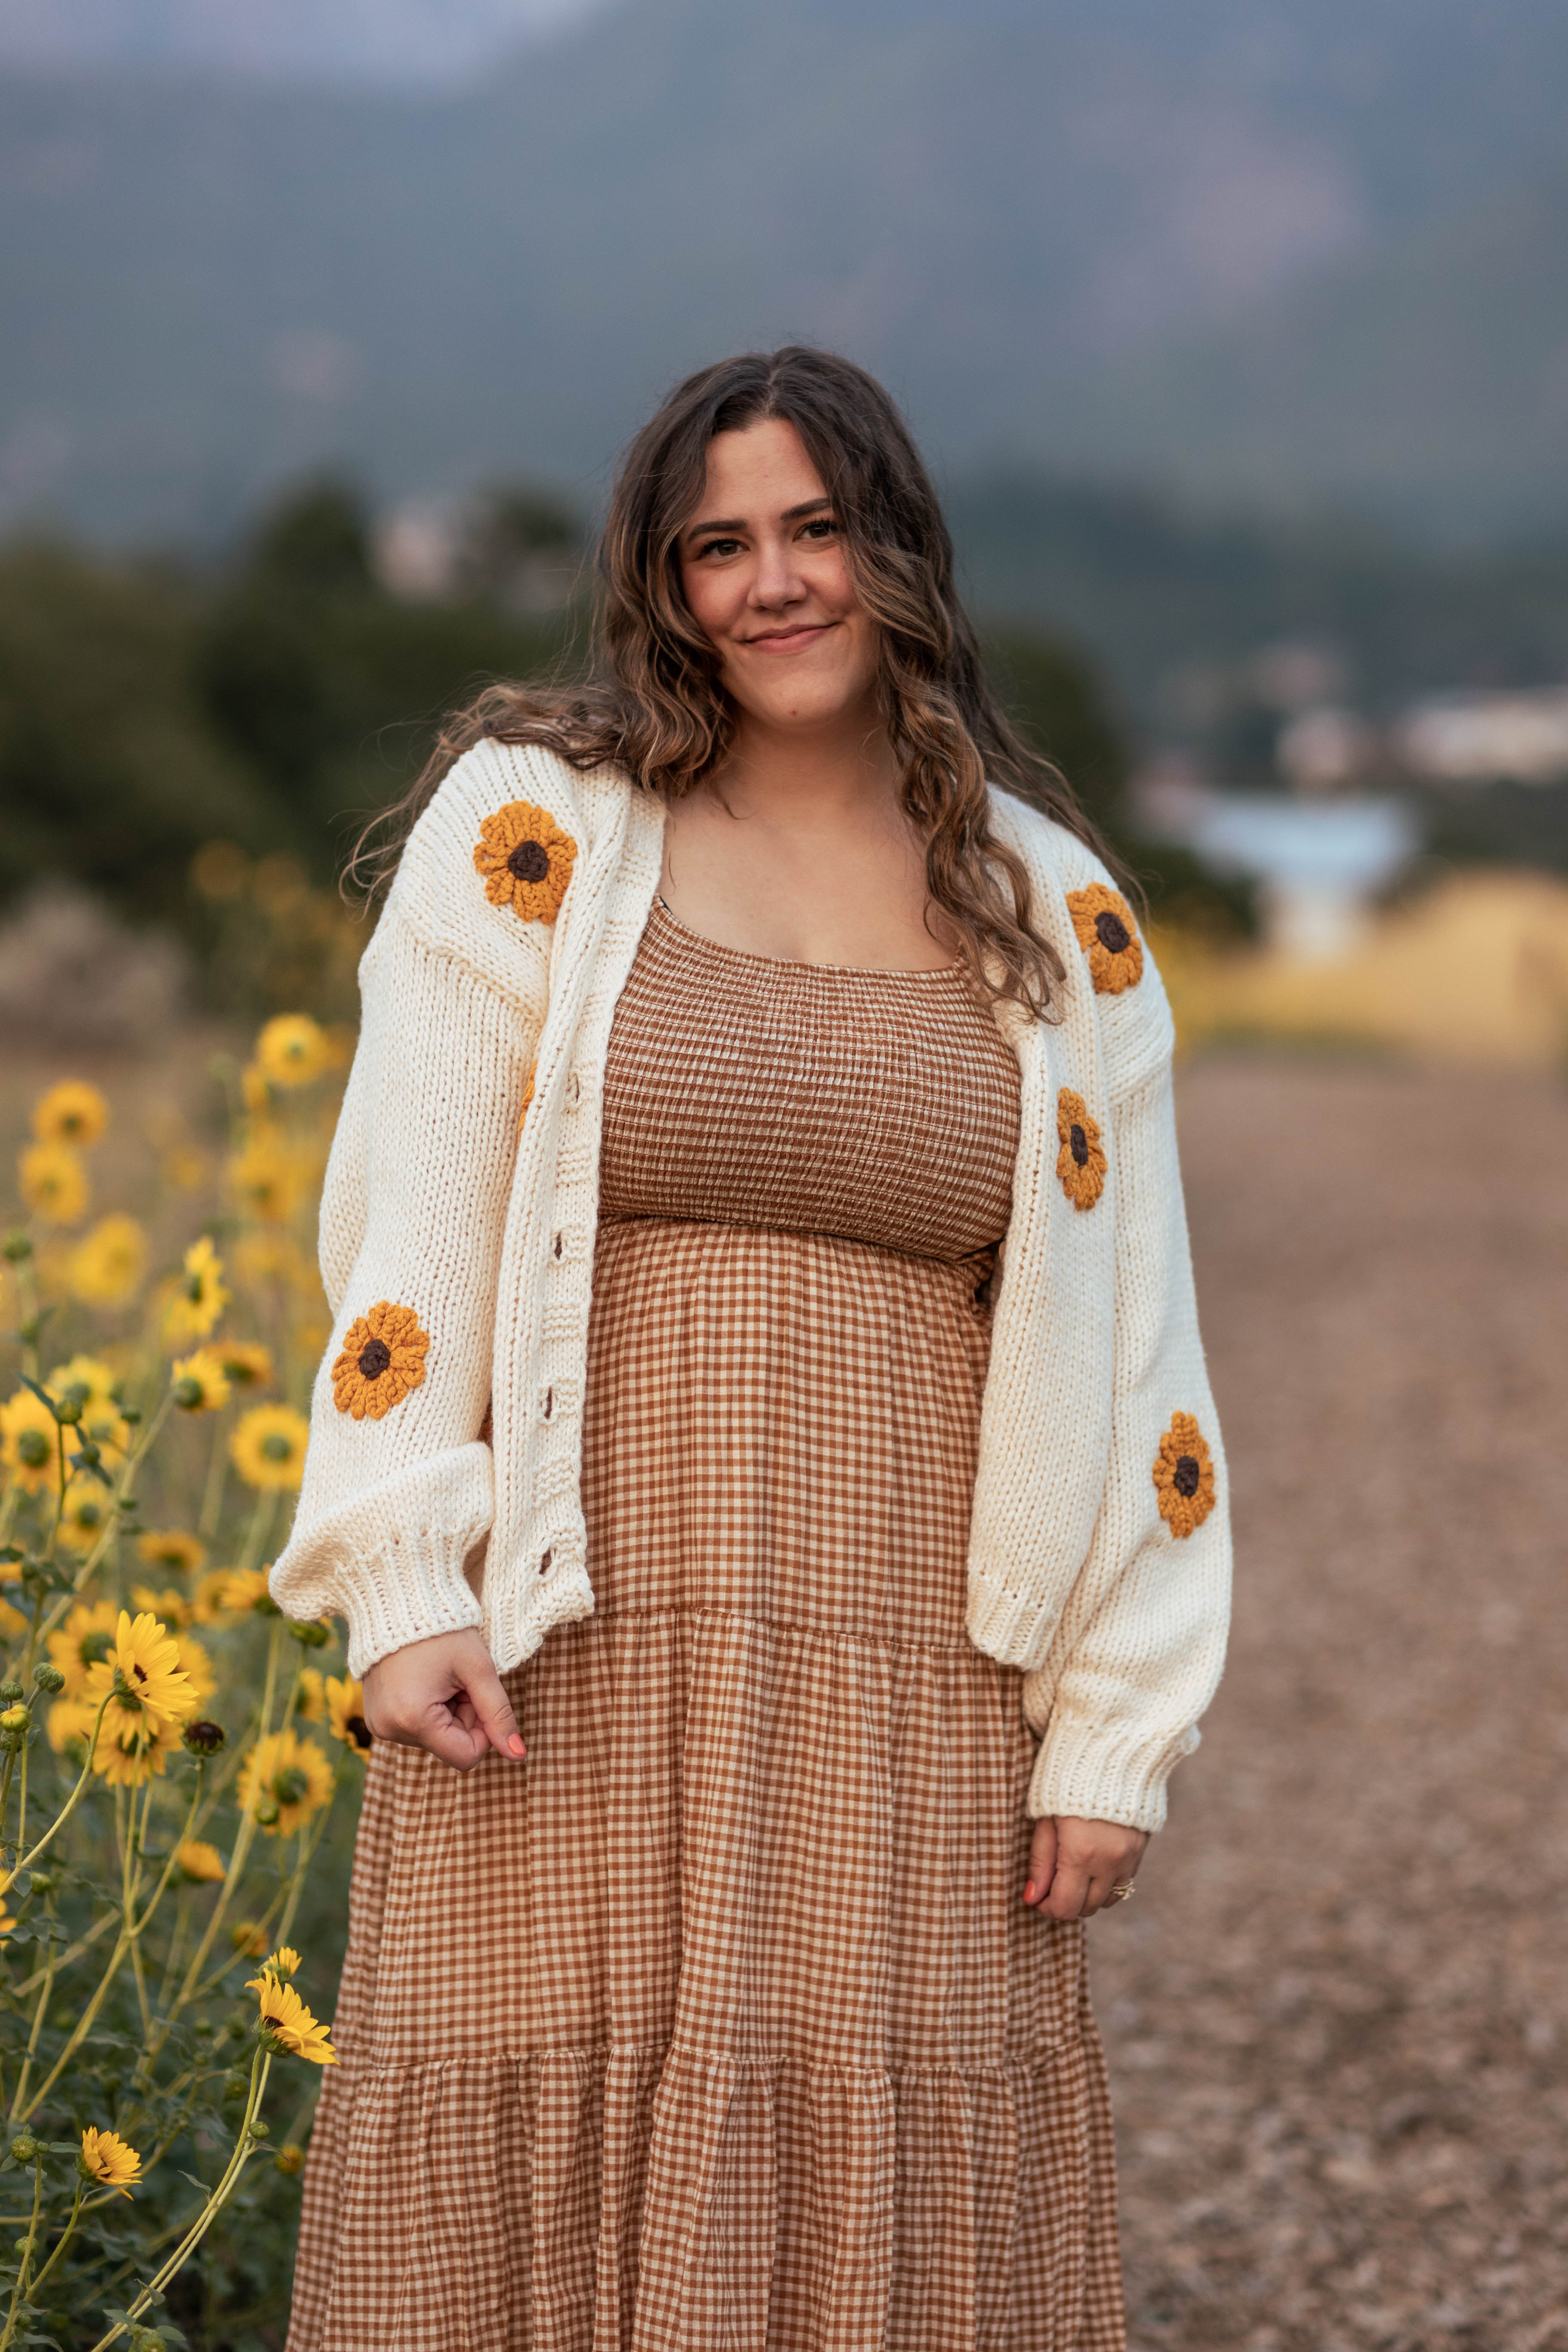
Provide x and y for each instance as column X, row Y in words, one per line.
column 170, row 1605
column 73, row 1112
column 293, row 1050
column 527, row 1094
column 83, row 1641
column 1108, row 938
column 526, row 861
column 199, row 1297
column 88, row 1509
column 54, row 1183
column 1080, row 1163
column 245, row 1366
column 30, row 1442
column 310, row 1697
column 248, row 1938
column 229, row 1592
column 199, row 1864
column 268, row 1447
column 293, row 1773
column 196, row 1666
column 107, row 2158
column 108, row 1266
column 142, row 1674
column 382, row 1358
column 132, row 1749
column 265, row 1180
column 345, row 1713
column 285, row 1961
column 171, row 1548
column 1184, row 1474
column 198, row 1383
column 70, row 1719
column 291, row 2024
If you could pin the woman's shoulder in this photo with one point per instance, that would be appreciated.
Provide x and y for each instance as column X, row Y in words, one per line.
column 1095, row 930
column 489, row 861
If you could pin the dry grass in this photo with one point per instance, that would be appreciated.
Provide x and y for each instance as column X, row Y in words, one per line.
column 1335, row 2012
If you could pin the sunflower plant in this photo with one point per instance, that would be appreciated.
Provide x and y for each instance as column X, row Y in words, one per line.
column 174, row 1753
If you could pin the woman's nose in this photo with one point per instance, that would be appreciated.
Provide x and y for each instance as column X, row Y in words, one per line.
column 777, row 579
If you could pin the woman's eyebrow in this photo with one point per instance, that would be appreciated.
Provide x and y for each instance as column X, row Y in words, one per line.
column 735, row 522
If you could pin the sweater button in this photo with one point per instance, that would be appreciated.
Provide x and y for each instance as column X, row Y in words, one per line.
column 544, row 1563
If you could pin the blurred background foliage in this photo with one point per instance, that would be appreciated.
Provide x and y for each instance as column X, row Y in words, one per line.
column 196, row 746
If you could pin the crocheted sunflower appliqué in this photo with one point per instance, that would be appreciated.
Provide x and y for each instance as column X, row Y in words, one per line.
column 526, row 861
column 382, row 1358
column 527, row 1094
column 1080, row 1163
column 1184, row 1474
column 1108, row 938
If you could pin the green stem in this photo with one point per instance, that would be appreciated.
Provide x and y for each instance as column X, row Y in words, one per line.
column 259, row 1528
column 217, row 1472
column 68, row 2233
column 38, row 2016
column 243, row 1839
column 21, row 2286
column 244, row 2149
column 90, row 1565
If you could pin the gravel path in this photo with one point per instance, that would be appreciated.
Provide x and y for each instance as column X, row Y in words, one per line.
column 1335, row 2011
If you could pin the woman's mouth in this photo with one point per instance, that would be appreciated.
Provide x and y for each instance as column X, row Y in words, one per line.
column 789, row 641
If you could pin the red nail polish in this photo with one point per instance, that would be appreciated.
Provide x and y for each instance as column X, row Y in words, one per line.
column 1029, row 1892
column 515, row 1744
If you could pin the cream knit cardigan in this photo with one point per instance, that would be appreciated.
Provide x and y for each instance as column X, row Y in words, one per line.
column 435, row 1201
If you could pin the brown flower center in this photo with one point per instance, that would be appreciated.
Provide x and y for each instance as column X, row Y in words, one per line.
column 1078, row 1144
column 358, row 1731
column 1186, row 1476
column 1113, row 933
column 529, row 861
column 373, row 1359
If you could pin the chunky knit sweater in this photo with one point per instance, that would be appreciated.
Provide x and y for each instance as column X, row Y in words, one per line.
column 458, row 1235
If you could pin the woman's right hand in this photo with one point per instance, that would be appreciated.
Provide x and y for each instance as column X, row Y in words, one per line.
column 444, row 1695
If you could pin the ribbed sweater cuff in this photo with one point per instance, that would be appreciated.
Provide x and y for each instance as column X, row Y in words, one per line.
column 391, row 1562
column 1098, row 1776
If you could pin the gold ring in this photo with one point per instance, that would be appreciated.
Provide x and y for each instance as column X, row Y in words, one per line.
column 1119, row 1892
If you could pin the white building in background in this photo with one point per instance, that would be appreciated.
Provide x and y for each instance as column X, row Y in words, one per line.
column 1519, row 737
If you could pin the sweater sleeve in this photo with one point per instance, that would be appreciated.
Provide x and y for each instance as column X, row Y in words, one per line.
column 1138, row 1651
column 413, row 1218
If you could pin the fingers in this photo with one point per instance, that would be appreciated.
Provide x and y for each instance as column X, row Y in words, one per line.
column 1076, row 1866
column 443, row 1695
column 490, row 1703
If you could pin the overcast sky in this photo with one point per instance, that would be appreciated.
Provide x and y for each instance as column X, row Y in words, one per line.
column 337, row 40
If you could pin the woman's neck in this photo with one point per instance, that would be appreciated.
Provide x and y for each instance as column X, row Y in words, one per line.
column 818, row 776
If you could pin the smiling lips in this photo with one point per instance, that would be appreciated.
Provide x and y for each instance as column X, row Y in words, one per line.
column 789, row 641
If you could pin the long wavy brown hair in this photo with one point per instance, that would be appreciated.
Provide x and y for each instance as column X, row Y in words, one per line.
column 652, row 703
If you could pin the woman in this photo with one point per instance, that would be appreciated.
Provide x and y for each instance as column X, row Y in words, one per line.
column 816, row 1366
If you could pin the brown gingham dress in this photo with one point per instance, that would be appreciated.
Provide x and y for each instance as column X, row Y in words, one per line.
column 720, row 2025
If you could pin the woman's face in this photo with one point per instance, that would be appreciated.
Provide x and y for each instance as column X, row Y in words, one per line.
column 761, row 562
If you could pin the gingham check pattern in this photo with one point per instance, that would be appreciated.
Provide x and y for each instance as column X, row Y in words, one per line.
column 768, row 2056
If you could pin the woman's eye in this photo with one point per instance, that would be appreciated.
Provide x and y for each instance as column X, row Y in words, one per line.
column 719, row 547
column 821, row 527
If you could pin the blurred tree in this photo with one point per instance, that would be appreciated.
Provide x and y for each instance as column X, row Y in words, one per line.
column 109, row 774
column 327, row 687
column 1055, row 699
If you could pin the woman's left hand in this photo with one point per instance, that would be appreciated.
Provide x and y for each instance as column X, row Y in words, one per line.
column 1074, row 1865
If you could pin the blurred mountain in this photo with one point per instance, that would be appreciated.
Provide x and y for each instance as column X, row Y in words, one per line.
column 1137, row 238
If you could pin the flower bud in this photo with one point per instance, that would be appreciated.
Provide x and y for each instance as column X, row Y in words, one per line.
column 268, row 1812
column 44, row 1881
column 203, row 1739
column 10, row 1691
column 17, row 1248
column 68, row 1411
column 260, row 2128
column 15, row 1720
column 187, row 1393
column 147, row 2339
column 290, row 2158
column 312, row 1634
column 131, row 1414
column 47, row 1676
column 235, row 2083
column 24, row 2148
